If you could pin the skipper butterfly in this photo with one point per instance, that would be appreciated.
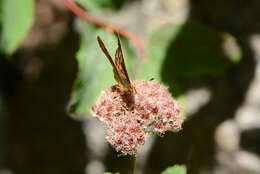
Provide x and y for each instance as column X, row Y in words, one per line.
column 119, row 69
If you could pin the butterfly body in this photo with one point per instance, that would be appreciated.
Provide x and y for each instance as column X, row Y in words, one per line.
column 119, row 69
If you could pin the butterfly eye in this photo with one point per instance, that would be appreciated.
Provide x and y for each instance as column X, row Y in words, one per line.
column 126, row 81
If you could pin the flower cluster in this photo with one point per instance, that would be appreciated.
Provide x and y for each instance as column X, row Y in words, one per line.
column 151, row 109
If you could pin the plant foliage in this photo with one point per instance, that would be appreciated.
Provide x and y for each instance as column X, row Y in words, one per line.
column 16, row 20
column 176, row 169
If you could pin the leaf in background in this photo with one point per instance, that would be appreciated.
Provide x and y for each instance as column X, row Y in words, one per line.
column 190, row 49
column 156, row 47
column 95, row 5
column 175, row 170
column 17, row 18
column 231, row 48
column 95, row 72
column 184, row 51
column 1, row 14
column 109, row 173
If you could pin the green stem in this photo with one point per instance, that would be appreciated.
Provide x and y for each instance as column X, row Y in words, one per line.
column 133, row 164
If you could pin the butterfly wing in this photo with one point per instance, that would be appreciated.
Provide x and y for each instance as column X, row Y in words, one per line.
column 119, row 69
column 105, row 51
column 120, row 64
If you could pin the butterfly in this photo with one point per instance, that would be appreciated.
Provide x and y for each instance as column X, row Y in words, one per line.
column 119, row 69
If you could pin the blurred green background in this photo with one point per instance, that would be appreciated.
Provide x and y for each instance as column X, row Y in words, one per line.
column 51, row 71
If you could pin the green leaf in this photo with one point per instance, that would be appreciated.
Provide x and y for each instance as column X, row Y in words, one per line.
column 176, row 169
column 185, row 51
column 231, row 48
column 95, row 72
column 96, row 5
column 1, row 13
column 110, row 173
column 17, row 19
column 156, row 47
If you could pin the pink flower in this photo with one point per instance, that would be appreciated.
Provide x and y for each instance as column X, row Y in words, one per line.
column 130, row 119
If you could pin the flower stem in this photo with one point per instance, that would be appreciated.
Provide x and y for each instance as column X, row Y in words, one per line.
column 133, row 164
